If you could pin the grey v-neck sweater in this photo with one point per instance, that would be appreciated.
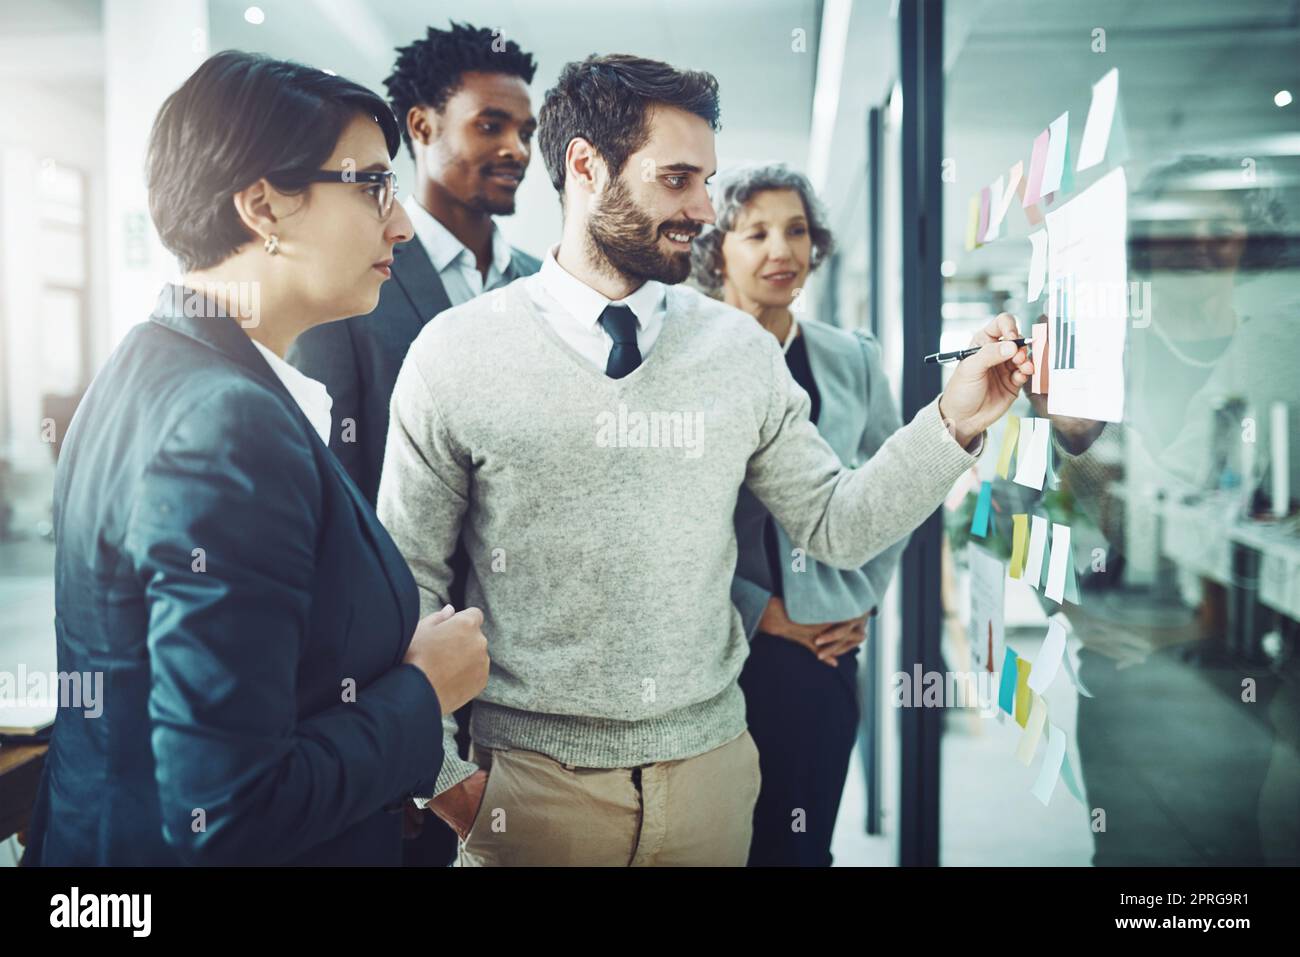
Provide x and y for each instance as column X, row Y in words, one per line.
column 598, row 515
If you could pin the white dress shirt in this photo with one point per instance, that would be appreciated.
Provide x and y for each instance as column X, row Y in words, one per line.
column 573, row 309
column 455, row 264
column 312, row 396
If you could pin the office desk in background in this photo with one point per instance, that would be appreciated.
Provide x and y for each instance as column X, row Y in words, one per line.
column 20, row 774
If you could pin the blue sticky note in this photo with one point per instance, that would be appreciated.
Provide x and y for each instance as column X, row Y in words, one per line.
column 1007, row 689
column 980, row 523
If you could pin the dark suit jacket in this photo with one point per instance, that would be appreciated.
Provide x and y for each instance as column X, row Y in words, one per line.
column 219, row 567
column 358, row 359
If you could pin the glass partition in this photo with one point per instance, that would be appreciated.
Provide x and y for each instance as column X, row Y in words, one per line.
column 1122, row 571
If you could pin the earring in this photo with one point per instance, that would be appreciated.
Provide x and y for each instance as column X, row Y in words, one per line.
column 272, row 244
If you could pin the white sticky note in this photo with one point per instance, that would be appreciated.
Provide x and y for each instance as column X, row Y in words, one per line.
column 994, row 227
column 1037, row 551
column 1048, row 662
column 1051, row 769
column 1054, row 168
column 1037, row 265
column 1101, row 113
column 1033, row 730
column 1059, row 562
column 1031, row 457
column 1024, row 447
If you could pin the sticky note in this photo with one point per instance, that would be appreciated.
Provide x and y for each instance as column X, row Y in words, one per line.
column 980, row 523
column 1014, row 182
column 1033, row 730
column 1007, row 685
column 973, row 223
column 1019, row 540
column 984, row 215
column 1033, row 215
column 1037, row 265
column 1009, row 437
column 1071, row 782
column 1037, row 551
column 1052, row 480
column 1060, row 560
column 1096, row 129
column 1022, row 691
column 1051, row 769
column 1067, row 171
column 1054, row 165
column 1031, row 452
column 1048, row 660
column 1071, row 582
column 1074, row 677
column 994, row 225
column 1024, row 445
column 1038, row 350
column 1037, row 164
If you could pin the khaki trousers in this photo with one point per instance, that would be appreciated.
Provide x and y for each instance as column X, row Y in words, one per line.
column 536, row 811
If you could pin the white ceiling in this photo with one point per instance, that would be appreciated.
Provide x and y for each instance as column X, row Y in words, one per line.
column 766, row 88
column 1196, row 76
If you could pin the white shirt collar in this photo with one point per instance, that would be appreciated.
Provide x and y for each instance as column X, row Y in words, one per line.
column 444, row 248
column 585, row 304
column 312, row 396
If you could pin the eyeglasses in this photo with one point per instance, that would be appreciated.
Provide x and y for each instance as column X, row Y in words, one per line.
column 384, row 190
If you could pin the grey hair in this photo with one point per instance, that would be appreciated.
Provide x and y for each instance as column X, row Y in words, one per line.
column 731, row 191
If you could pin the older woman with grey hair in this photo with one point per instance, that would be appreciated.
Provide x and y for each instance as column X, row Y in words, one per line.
column 805, row 619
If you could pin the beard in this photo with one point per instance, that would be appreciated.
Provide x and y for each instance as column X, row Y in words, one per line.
column 480, row 203
column 622, row 235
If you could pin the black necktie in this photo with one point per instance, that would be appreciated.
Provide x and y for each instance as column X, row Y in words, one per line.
column 620, row 323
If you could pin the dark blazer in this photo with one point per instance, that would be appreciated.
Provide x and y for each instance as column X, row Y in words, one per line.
column 358, row 359
column 219, row 567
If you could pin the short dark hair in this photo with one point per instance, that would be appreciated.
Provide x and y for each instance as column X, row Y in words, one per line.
column 429, row 71
column 238, row 118
column 606, row 100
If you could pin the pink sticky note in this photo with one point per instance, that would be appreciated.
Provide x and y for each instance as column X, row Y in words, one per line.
column 1038, row 347
column 984, row 215
column 1033, row 192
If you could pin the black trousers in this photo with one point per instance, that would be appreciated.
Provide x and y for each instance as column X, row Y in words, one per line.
column 803, row 715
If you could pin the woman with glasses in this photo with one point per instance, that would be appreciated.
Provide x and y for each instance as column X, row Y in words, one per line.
column 270, row 694
column 805, row 619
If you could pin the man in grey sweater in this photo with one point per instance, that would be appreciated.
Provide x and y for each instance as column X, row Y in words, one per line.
column 589, row 429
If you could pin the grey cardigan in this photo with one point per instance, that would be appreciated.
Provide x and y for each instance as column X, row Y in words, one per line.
column 857, row 415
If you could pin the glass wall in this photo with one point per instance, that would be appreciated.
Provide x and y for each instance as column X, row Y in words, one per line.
column 1122, row 571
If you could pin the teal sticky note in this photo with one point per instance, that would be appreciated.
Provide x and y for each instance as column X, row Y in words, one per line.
column 1071, row 582
column 1067, row 174
column 1007, row 688
column 1071, row 782
column 980, row 523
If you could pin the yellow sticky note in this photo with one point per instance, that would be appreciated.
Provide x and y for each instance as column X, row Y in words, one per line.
column 1033, row 730
column 1009, row 439
column 973, row 223
column 1019, row 538
column 1022, row 691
